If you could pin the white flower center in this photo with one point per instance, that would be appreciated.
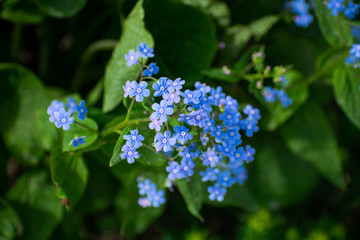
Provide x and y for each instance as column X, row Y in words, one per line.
column 63, row 120
column 132, row 57
column 172, row 96
column 237, row 155
column 162, row 88
column 130, row 153
column 183, row 133
column 134, row 137
column 145, row 50
column 161, row 110
column 139, row 90
column 198, row 117
column 164, row 140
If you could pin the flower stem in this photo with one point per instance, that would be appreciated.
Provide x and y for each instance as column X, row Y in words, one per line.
column 123, row 124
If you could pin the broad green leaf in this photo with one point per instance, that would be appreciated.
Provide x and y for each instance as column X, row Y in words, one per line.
column 236, row 37
column 185, row 38
column 134, row 218
column 347, row 94
column 116, row 156
column 87, row 128
column 276, row 177
column 117, row 72
column 95, row 94
column 100, row 189
column 335, row 29
column 277, row 114
column 60, row 9
column 308, row 134
column 237, row 196
column 261, row 26
column 10, row 224
column 192, row 194
column 70, row 174
column 34, row 199
column 22, row 135
column 21, row 11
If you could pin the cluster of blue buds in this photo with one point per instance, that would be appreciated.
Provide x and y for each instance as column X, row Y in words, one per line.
column 63, row 118
column 151, row 196
column 302, row 16
column 204, row 131
column 337, row 6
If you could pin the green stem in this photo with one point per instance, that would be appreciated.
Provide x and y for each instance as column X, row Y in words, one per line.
column 16, row 42
column 152, row 149
column 129, row 110
column 123, row 124
column 98, row 46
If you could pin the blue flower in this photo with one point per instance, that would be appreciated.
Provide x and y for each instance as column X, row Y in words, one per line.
column 132, row 57
column 187, row 168
column 216, row 95
column 210, row 158
column 172, row 97
column 248, row 153
column 145, row 51
column 253, row 113
column 129, row 153
column 77, row 141
column 152, row 69
column 209, row 175
column 226, row 148
column 202, row 87
column 164, row 141
column 160, row 87
column 230, row 117
column 284, row 98
column 174, row 170
column 303, row 20
column 299, row 7
column 198, row 118
column 336, row 6
column 219, row 134
column 127, row 87
column 157, row 198
column 216, row 192
column 162, row 110
column 191, row 97
column 355, row 31
column 232, row 134
column 134, row 139
column 144, row 202
column 355, row 50
column 175, row 85
column 139, row 90
column 146, row 187
column 204, row 138
column 224, row 179
column 269, row 94
column 209, row 126
column 352, row 10
column 64, row 119
column 72, row 105
column 81, row 109
column 240, row 174
column 249, row 125
column 155, row 124
column 54, row 110
column 229, row 102
column 352, row 60
column 182, row 134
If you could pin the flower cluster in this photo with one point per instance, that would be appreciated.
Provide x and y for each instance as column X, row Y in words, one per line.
column 133, row 142
column 277, row 92
column 63, row 118
column 302, row 16
column 205, row 132
column 151, row 196
column 337, row 6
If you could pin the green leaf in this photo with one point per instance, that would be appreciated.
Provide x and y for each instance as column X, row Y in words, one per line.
column 218, row 74
column 95, row 94
column 237, row 196
column 116, row 156
column 308, row 134
column 186, row 45
column 117, row 72
column 335, row 29
column 261, row 26
column 347, row 94
column 60, row 9
column 236, row 37
column 22, row 135
column 80, row 131
column 277, row 114
column 21, row 11
column 69, row 172
column 34, row 199
column 192, row 194
column 10, row 224
column 276, row 177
